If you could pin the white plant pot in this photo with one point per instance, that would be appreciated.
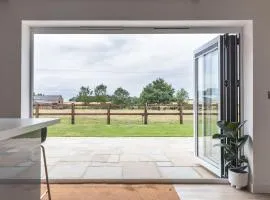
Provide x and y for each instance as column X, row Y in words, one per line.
column 238, row 180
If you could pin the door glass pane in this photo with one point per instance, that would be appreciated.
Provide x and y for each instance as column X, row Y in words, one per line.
column 208, row 106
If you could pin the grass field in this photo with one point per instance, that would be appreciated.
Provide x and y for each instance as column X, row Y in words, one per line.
column 122, row 126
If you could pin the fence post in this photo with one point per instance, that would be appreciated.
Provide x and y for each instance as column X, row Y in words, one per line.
column 109, row 114
column 145, row 114
column 72, row 113
column 37, row 111
column 181, row 113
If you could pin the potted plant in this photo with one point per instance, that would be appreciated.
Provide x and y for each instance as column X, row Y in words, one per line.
column 236, row 164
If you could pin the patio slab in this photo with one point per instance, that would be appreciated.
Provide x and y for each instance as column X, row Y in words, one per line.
column 140, row 170
column 123, row 158
column 68, row 170
column 164, row 164
column 100, row 157
column 100, row 172
column 179, row 173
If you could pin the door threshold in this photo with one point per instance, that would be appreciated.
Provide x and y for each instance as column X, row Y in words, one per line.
column 138, row 181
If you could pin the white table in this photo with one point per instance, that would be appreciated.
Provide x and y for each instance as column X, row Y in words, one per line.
column 12, row 127
column 20, row 157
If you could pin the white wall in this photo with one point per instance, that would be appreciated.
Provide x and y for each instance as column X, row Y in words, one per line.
column 257, row 106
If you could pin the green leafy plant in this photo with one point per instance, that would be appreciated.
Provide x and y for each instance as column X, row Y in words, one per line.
column 232, row 142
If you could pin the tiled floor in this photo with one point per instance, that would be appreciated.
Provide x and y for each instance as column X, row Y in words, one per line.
column 123, row 159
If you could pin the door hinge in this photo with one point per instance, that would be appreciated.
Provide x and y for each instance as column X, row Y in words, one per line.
column 238, row 83
column 226, row 83
column 238, row 40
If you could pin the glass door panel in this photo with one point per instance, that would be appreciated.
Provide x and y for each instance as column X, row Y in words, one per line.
column 207, row 99
column 208, row 96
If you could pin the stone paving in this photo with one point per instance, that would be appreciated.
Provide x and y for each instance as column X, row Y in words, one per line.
column 99, row 158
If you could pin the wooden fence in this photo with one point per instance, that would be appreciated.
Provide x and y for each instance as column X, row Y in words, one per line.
column 108, row 113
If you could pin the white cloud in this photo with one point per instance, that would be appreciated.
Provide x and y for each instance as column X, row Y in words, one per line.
column 63, row 63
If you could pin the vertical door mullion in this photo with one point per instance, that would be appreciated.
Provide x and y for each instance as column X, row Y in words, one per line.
column 223, row 91
column 195, row 106
column 230, row 94
column 232, row 76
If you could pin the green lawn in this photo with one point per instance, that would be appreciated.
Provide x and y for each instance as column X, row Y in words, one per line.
column 127, row 126
column 87, row 126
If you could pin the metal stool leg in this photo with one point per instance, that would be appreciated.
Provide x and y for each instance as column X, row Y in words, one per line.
column 46, row 174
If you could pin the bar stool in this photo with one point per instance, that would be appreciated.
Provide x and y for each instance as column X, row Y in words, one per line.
column 43, row 139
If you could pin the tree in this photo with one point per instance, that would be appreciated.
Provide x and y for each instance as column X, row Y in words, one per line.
column 158, row 91
column 101, row 93
column 73, row 99
column 120, row 96
column 84, row 95
column 181, row 96
column 134, row 101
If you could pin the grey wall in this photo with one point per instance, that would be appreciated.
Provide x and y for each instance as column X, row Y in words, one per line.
column 257, row 81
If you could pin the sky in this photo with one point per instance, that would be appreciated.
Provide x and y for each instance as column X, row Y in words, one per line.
column 65, row 62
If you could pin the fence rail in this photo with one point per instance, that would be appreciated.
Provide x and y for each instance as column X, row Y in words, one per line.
column 144, row 114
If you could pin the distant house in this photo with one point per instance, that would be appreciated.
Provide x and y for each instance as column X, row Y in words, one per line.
column 55, row 101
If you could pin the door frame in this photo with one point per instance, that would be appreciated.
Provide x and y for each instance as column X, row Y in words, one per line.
column 43, row 28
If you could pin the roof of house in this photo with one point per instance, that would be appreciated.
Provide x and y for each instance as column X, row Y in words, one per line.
column 90, row 103
column 47, row 98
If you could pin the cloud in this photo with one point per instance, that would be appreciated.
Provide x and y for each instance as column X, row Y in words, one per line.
column 63, row 63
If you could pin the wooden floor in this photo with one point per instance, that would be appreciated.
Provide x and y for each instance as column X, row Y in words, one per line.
column 215, row 192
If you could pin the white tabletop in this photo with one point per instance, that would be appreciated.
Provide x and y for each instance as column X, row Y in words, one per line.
column 11, row 127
